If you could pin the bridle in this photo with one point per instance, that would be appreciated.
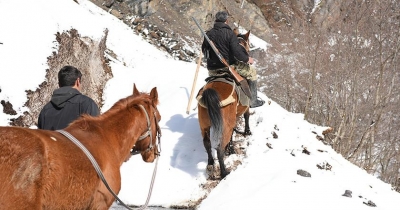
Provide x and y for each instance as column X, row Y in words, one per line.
column 143, row 136
column 246, row 45
column 150, row 134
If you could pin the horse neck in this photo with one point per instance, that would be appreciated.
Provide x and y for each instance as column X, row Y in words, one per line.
column 117, row 131
column 126, row 128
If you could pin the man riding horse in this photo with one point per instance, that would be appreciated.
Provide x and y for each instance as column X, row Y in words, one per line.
column 228, row 45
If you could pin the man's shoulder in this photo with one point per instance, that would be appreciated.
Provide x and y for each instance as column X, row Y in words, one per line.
column 81, row 98
column 47, row 106
column 91, row 107
column 216, row 34
column 85, row 97
column 226, row 31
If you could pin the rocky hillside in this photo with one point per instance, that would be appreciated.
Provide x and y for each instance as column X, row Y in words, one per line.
column 169, row 24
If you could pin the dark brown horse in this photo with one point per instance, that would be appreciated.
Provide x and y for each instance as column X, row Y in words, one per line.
column 42, row 169
column 219, row 108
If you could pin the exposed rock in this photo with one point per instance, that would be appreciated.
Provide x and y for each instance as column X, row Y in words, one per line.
column 291, row 153
column 8, row 107
column 274, row 135
column 325, row 166
column 347, row 193
column 370, row 203
column 154, row 35
column 329, row 130
column 136, row 21
column 19, row 121
column 303, row 173
column 305, row 151
column 117, row 14
column 109, row 3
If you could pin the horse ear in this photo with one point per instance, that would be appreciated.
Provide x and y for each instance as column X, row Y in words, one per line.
column 135, row 90
column 154, row 95
column 236, row 31
column 246, row 36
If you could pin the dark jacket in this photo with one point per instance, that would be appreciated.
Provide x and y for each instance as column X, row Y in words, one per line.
column 227, row 44
column 66, row 105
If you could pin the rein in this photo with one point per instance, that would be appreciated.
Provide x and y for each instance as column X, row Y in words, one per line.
column 246, row 44
column 97, row 167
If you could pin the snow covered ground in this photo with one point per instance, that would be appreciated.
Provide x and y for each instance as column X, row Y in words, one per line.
column 267, row 177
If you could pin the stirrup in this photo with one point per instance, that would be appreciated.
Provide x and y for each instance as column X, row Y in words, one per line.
column 259, row 102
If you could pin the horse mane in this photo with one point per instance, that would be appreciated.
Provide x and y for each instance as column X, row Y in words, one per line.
column 123, row 104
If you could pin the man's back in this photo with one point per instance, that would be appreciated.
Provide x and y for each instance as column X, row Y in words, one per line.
column 227, row 44
column 66, row 105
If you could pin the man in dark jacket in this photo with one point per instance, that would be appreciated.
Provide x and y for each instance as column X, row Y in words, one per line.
column 67, row 103
column 235, row 55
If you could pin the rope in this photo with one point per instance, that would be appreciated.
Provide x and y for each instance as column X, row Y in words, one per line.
column 151, row 184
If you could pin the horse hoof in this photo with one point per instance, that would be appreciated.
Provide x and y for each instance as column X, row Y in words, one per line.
column 247, row 132
column 231, row 151
column 210, row 168
column 224, row 175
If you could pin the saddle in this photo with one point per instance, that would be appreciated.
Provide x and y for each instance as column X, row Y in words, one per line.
column 244, row 100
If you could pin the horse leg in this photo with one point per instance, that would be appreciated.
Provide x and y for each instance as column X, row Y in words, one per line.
column 207, row 146
column 246, row 116
column 229, row 149
column 220, row 154
column 226, row 140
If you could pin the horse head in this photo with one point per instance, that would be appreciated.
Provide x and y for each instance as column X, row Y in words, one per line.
column 243, row 39
column 148, row 144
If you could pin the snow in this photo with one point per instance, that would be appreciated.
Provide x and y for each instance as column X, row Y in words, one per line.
column 267, row 177
column 317, row 4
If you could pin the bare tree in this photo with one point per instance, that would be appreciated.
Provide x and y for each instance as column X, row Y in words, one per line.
column 345, row 76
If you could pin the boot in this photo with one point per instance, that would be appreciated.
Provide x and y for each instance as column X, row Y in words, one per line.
column 254, row 101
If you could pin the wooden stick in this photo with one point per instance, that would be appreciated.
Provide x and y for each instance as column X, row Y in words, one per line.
column 194, row 83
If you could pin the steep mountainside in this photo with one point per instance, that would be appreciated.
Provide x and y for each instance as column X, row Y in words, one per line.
column 169, row 24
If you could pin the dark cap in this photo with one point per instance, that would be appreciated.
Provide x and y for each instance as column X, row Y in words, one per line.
column 221, row 16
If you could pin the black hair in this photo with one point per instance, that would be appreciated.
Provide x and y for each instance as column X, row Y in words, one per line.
column 221, row 16
column 68, row 75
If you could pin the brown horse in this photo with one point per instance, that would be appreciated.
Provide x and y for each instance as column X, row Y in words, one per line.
column 219, row 108
column 42, row 169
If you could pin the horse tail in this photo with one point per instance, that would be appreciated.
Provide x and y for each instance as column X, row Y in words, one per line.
column 211, row 100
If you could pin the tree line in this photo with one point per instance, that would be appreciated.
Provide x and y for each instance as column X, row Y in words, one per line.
column 345, row 75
